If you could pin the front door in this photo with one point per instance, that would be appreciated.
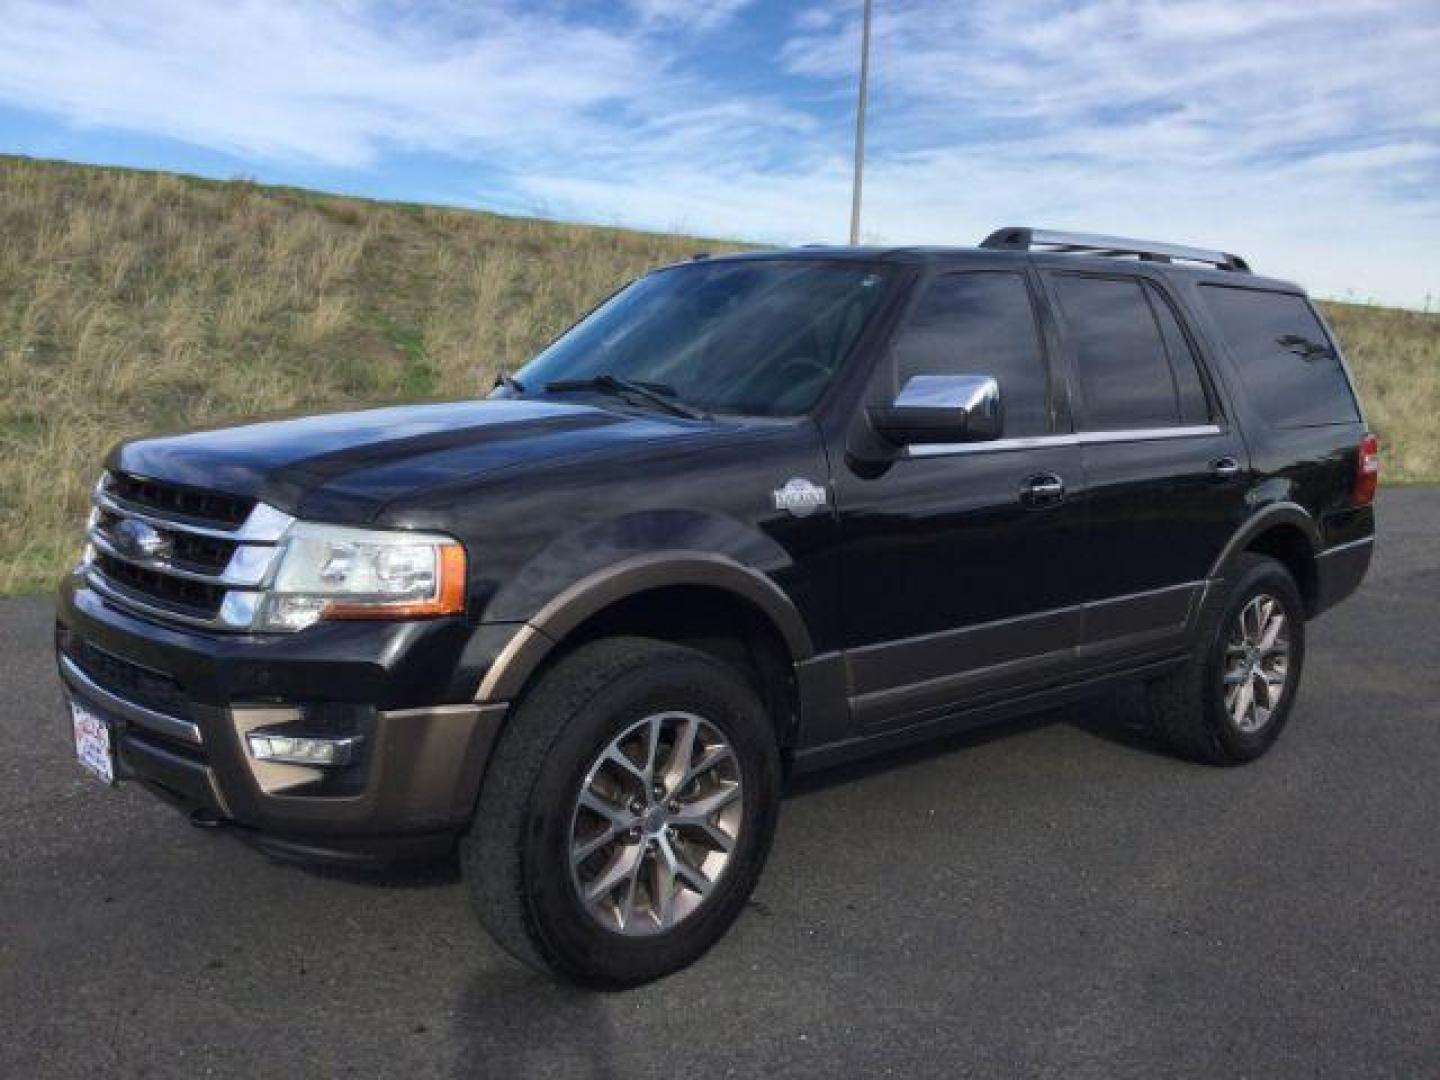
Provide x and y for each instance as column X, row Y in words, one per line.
column 961, row 564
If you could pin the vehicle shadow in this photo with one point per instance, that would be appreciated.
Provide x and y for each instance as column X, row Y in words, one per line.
column 432, row 873
column 1121, row 717
column 508, row 1021
column 518, row 1024
column 515, row 1023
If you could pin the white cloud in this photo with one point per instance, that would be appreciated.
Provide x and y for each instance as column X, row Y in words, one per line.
column 326, row 82
column 1305, row 136
column 700, row 14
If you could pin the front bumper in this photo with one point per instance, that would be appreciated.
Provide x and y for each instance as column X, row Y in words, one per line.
column 181, row 701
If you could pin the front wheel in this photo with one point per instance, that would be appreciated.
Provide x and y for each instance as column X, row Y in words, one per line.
column 1229, row 702
column 627, row 813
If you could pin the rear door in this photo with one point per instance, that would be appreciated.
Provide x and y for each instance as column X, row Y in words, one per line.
column 1165, row 471
column 1304, row 425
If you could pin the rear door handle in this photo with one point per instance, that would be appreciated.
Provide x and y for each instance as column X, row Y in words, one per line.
column 1041, row 490
column 1225, row 467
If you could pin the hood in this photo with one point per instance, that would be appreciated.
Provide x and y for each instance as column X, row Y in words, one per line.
column 347, row 466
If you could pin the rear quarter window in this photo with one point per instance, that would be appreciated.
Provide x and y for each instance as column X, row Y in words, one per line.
column 1288, row 365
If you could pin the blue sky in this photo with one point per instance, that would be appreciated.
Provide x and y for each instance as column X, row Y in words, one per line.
column 1304, row 135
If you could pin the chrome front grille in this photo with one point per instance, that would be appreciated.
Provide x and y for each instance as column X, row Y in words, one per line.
column 181, row 554
column 207, row 555
column 187, row 596
column 182, row 501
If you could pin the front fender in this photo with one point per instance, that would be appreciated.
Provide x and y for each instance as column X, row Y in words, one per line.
column 584, row 572
column 534, row 640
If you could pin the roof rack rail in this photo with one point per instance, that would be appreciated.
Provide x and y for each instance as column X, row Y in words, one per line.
column 1026, row 239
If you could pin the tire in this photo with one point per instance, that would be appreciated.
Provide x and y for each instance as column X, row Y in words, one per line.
column 517, row 856
column 1201, row 714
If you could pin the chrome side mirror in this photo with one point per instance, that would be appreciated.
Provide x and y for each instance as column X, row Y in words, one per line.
column 942, row 408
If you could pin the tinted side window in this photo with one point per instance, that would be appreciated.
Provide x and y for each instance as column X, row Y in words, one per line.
column 1290, row 369
column 979, row 323
column 1194, row 405
column 1124, row 375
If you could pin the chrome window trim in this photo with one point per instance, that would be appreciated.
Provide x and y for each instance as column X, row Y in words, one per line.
column 158, row 722
column 1184, row 431
column 1079, row 438
column 1027, row 442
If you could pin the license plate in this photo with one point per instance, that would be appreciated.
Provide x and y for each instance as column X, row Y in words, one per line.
column 93, row 744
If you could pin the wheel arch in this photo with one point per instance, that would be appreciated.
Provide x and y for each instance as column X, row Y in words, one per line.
column 1287, row 533
column 664, row 590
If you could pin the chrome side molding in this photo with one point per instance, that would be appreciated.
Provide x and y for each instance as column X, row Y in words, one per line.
column 1079, row 438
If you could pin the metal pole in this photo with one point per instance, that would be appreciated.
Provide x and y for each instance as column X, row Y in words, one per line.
column 860, row 128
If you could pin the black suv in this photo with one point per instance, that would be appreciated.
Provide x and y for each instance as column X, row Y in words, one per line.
column 755, row 514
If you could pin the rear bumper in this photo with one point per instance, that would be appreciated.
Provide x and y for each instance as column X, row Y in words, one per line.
column 1339, row 571
column 181, row 702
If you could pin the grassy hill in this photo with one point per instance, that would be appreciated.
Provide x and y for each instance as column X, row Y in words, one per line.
column 135, row 302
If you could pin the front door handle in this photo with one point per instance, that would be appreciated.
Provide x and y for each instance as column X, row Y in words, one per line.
column 1042, row 490
column 1225, row 467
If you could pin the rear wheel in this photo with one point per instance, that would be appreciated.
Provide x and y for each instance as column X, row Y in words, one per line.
column 1228, row 704
column 626, row 814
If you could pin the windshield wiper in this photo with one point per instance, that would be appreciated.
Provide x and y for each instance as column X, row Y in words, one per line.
column 509, row 382
column 660, row 394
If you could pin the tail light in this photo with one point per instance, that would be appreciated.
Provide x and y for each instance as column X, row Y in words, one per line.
column 1367, row 471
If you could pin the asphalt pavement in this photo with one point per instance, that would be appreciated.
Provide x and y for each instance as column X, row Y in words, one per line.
column 1055, row 898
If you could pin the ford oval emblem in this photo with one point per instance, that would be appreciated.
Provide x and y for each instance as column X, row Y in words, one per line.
column 140, row 540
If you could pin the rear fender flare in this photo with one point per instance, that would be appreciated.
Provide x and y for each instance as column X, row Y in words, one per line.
column 1280, row 513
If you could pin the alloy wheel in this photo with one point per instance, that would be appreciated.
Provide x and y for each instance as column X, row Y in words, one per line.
column 656, row 821
column 1257, row 663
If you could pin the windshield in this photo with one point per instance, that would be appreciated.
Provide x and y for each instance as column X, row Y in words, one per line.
column 761, row 338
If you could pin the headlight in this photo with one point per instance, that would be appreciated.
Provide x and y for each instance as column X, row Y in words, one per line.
column 331, row 572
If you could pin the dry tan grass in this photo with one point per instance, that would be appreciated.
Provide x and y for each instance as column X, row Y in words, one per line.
column 1395, row 357
column 138, row 302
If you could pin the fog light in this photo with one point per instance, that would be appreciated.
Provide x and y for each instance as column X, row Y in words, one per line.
column 301, row 749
